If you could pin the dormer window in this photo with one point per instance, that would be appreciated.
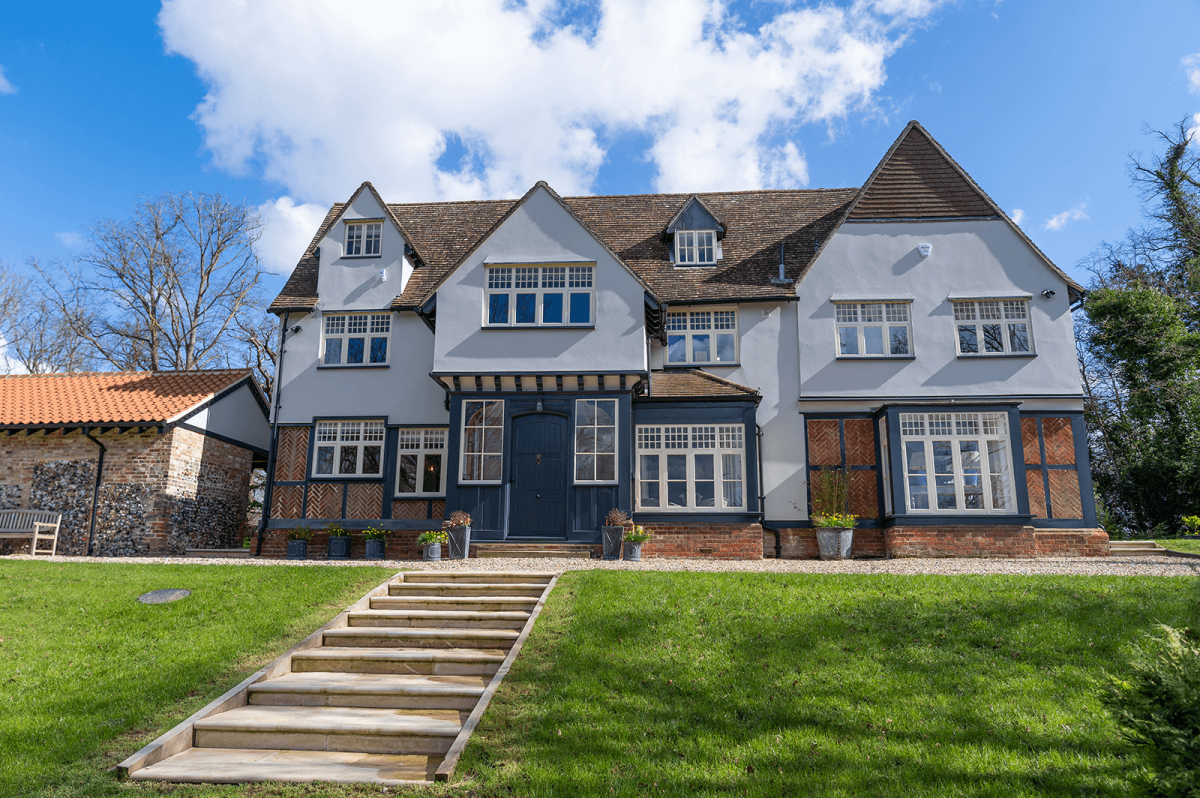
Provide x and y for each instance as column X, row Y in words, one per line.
column 363, row 239
column 695, row 248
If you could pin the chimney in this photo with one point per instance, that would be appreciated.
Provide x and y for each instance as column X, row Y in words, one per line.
column 781, row 279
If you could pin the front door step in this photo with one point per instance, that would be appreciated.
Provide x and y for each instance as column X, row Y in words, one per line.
column 238, row 766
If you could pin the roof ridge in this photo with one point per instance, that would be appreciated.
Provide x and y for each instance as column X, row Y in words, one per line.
column 165, row 372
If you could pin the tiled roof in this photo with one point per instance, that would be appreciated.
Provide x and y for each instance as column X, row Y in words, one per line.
column 300, row 290
column 109, row 397
column 695, row 384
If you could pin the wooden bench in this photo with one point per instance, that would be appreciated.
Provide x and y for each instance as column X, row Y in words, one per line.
column 39, row 526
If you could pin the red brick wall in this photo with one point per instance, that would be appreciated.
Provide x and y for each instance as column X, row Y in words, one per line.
column 994, row 541
column 401, row 544
column 801, row 544
column 720, row 541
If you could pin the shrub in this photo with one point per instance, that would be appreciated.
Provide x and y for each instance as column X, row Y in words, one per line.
column 300, row 534
column 1192, row 522
column 371, row 533
column 637, row 534
column 1158, row 709
column 830, row 491
column 458, row 518
column 616, row 517
column 432, row 536
column 835, row 521
column 336, row 531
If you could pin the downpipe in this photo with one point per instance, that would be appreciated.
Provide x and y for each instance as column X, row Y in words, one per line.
column 95, row 489
column 762, row 497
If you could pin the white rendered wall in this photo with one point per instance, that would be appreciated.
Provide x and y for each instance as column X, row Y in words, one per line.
column 353, row 283
column 236, row 416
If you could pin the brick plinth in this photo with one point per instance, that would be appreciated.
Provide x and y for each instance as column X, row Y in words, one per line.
column 719, row 541
column 801, row 544
column 400, row 544
column 994, row 541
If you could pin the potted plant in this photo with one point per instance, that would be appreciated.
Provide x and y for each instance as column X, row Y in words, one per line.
column 634, row 538
column 431, row 542
column 614, row 533
column 375, row 542
column 835, row 527
column 458, row 530
column 298, row 544
column 339, row 542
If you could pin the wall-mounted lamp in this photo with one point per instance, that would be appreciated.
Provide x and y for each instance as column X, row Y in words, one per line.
column 925, row 249
column 1047, row 293
column 294, row 329
column 383, row 275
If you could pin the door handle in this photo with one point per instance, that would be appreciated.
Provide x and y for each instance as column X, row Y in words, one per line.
column 537, row 495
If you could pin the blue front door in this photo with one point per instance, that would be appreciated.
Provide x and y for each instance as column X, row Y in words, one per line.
column 539, row 476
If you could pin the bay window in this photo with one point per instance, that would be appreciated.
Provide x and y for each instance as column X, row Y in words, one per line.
column 420, row 461
column 348, row 449
column 691, row 468
column 992, row 327
column 539, row 296
column 482, row 440
column 957, row 462
column 595, row 440
column 702, row 336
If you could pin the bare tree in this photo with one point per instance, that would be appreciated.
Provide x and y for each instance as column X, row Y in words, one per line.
column 38, row 336
column 258, row 336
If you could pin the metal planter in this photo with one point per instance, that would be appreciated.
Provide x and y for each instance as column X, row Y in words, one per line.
column 834, row 542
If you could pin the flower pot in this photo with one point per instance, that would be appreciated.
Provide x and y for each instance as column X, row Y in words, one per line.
column 459, row 545
column 297, row 550
column 339, row 547
column 375, row 549
column 834, row 542
column 432, row 551
column 613, row 536
column 633, row 551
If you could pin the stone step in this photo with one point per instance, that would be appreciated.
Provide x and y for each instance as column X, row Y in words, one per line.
column 420, row 661
column 421, row 638
column 1134, row 548
column 224, row 554
column 529, row 554
column 242, row 765
column 372, row 731
column 442, row 619
column 459, row 693
column 519, row 589
column 479, row 577
column 483, row 603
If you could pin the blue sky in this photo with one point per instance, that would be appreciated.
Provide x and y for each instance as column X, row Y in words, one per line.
column 288, row 106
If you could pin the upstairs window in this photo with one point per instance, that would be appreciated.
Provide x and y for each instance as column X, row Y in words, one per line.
column 539, row 296
column 992, row 327
column 695, row 248
column 349, row 449
column 363, row 238
column 356, row 339
column 873, row 329
column 419, row 466
column 702, row 336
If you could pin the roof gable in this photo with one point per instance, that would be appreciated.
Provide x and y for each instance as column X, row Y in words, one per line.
column 695, row 215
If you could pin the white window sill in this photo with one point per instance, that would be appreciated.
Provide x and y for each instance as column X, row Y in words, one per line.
column 719, row 364
column 538, row 327
column 878, row 357
column 402, row 496
column 336, row 477
column 335, row 366
column 361, row 257
column 993, row 355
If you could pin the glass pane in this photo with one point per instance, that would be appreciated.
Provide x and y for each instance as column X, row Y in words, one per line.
column 968, row 342
column 918, row 493
column 914, row 451
column 585, row 466
column 704, row 466
column 1018, row 337
column 585, row 439
column 606, row 466
column 495, row 415
column 972, row 470
column 701, row 349
column 498, row 309
column 993, row 341
column 705, row 493
column 354, row 350
column 324, row 459
column 943, row 457
column 649, row 480
column 333, row 351
column 493, row 440
column 726, row 348
column 348, row 462
column 872, row 340
column 998, row 467
column 731, row 469
column 848, row 336
column 379, row 350
column 676, row 466
column 408, row 474
column 551, row 308
column 526, row 308
column 677, row 480
column 606, row 439
column 432, row 482
column 946, row 498
column 676, row 348
column 474, row 414
column 371, row 459
column 899, row 340
column 585, row 413
column 471, row 466
column 492, row 466
column 606, row 412
column 473, row 440
column 581, row 308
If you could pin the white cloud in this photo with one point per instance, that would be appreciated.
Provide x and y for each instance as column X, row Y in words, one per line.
column 9, row 365
column 1191, row 63
column 289, row 229
column 321, row 99
column 1017, row 216
column 1073, row 215
column 71, row 240
column 5, row 86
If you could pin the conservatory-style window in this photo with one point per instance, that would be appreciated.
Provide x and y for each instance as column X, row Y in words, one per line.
column 420, row 461
column 363, row 238
column 682, row 468
column 695, row 248
column 348, row 449
column 873, row 329
column 595, row 440
column 355, row 339
column 992, row 327
column 539, row 296
column 483, row 440
column 957, row 462
column 702, row 336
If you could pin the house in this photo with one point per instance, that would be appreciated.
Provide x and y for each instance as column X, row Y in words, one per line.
column 138, row 463
column 696, row 359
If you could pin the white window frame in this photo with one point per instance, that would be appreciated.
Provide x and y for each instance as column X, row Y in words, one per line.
column 697, row 248
column 711, row 322
column 858, row 322
column 691, row 441
column 537, row 282
column 1007, row 313
column 343, row 327
column 581, row 437
column 495, row 450
column 921, row 431
column 345, row 434
column 364, row 238
column 422, row 443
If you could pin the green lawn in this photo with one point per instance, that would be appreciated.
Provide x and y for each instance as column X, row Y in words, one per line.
column 88, row 675
column 1175, row 544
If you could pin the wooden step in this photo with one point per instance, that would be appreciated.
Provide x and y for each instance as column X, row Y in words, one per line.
column 481, row 603
column 242, row 765
column 420, row 661
column 373, row 731
column 376, row 637
column 529, row 554
column 519, row 589
column 480, row 577
column 1134, row 548
column 444, row 619
column 224, row 554
column 459, row 693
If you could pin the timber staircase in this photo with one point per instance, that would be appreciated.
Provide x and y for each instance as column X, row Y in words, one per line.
column 1135, row 548
column 389, row 696
column 535, row 549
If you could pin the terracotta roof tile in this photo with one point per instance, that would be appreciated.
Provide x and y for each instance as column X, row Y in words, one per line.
column 695, row 384
column 109, row 397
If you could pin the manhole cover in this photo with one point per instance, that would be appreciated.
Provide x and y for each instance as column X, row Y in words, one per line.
column 163, row 596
